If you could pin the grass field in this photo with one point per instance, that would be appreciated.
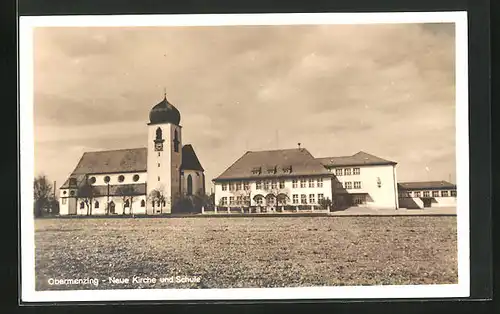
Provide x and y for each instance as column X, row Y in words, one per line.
column 247, row 252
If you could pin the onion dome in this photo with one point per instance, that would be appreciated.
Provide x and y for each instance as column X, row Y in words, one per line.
column 164, row 112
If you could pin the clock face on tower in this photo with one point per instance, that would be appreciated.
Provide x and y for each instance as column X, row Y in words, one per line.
column 158, row 146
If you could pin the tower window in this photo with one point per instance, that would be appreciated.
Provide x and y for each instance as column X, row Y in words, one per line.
column 158, row 164
column 158, row 178
column 158, row 134
column 176, row 142
column 143, row 203
column 158, row 154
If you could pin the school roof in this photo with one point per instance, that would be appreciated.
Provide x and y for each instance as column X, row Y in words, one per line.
column 359, row 159
column 426, row 185
column 274, row 163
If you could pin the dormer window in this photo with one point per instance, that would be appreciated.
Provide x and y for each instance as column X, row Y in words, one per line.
column 72, row 181
column 271, row 170
column 257, row 170
column 287, row 169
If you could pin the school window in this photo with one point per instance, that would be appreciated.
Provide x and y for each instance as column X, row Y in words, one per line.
column 238, row 186
column 416, row 194
column 338, row 172
column 454, row 193
column 258, row 185
column 294, row 183
column 311, row 199
column 295, row 198
column 246, row 186
column 266, row 185
column 426, row 194
column 435, row 193
column 356, row 171
column 444, row 193
column 274, row 184
column 282, row 184
column 347, row 171
column 231, row 200
column 239, row 199
column 348, row 185
column 357, row 184
column 231, row 186
column 303, row 199
column 320, row 197
column 320, row 182
column 302, row 183
column 311, row 183
column 224, row 201
column 224, row 187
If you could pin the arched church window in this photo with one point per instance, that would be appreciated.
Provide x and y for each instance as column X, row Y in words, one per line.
column 143, row 203
column 127, row 203
column 158, row 133
column 189, row 185
column 136, row 177
column 82, row 205
column 176, row 142
column 96, row 205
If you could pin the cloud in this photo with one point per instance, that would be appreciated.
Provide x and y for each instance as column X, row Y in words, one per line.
column 337, row 89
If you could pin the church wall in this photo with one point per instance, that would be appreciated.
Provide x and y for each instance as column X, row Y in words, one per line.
column 128, row 178
column 158, row 164
column 197, row 177
column 101, row 210
column 176, row 160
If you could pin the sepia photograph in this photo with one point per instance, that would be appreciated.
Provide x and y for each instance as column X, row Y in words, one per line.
column 244, row 156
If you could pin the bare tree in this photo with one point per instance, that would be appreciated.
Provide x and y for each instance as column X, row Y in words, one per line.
column 126, row 192
column 42, row 194
column 86, row 192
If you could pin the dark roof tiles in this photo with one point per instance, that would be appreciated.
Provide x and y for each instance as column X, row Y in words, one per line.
column 359, row 159
column 426, row 185
column 299, row 159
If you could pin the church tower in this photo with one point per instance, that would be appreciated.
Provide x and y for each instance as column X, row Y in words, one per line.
column 164, row 155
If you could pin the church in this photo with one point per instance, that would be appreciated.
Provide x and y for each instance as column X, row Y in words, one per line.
column 146, row 180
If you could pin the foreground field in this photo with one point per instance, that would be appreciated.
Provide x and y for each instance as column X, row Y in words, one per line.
column 245, row 252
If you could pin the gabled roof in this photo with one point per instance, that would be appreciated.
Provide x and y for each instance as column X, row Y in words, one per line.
column 79, row 179
column 426, row 185
column 254, row 165
column 189, row 159
column 113, row 161
column 359, row 159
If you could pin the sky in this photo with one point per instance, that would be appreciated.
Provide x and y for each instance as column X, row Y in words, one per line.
column 386, row 89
